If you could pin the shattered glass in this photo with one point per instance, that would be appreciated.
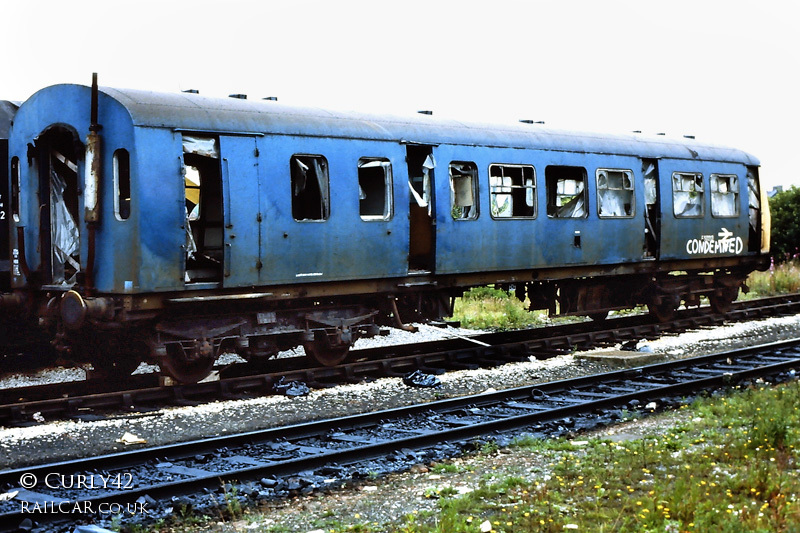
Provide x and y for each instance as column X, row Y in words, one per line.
column 724, row 195
column 754, row 201
column 65, row 236
column 463, row 178
column 687, row 194
column 614, row 193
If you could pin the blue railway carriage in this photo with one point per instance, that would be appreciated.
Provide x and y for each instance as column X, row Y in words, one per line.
column 170, row 227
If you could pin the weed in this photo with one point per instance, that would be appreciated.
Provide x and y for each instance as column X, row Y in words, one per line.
column 779, row 279
column 492, row 308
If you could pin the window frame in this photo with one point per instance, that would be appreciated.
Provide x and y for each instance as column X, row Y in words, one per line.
column 118, row 182
column 475, row 211
column 325, row 196
column 533, row 187
column 386, row 165
column 555, row 194
column 632, row 190
column 702, row 203
column 736, row 193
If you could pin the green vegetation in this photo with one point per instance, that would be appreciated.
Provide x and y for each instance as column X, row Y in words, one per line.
column 781, row 278
column 785, row 235
column 732, row 470
column 729, row 464
column 491, row 308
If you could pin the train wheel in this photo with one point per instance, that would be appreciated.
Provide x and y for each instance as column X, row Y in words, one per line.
column 184, row 367
column 320, row 351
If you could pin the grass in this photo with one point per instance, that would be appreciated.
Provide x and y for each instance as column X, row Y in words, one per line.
column 781, row 278
column 729, row 465
column 491, row 308
column 733, row 469
column 494, row 309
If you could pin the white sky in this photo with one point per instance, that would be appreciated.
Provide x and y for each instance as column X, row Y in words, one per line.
column 725, row 71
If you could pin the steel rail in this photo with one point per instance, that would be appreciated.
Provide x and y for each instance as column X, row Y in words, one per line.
column 450, row 420
column 54, row 401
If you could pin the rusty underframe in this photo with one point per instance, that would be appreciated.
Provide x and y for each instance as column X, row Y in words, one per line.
column 185, row 331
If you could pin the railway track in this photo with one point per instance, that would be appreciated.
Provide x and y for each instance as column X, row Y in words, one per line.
column 19, row 406
column 260, row 462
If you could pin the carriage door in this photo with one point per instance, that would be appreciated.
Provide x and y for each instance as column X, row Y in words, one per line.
column 421, row 209
column 59, row 221
column 652, row 211
column 241, row 204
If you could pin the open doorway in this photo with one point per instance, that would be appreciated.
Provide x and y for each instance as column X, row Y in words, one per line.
column 57, row 152
column 421, row 209
column 204, row 214
column 652, row 211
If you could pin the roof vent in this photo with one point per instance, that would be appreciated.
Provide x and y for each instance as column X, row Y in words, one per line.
column 636, row 131
column 238, row 96
column 688, row 136
column 425, row 112
column 529, row 121
column 271, row 98
column 662, row 134
column 191, row 91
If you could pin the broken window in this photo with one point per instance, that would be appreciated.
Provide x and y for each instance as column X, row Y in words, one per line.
column 650, row 184
column 566, row 192
column 652, row 211
column 203, row 208
column 122, row 184
column 754, row 209
column 512, row 191
column 375, row 189
column 614, row 193
column 687, row 194
column 753, row 198
column 724, row 195
column 463, row 190
column 310, row 198
column 420, row 186
column 63, row 214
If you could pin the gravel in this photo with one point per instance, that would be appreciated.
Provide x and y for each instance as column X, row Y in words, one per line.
column 78, row 438
column 51, row 441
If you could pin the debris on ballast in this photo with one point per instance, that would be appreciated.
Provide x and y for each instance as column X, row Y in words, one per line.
column 421, row 379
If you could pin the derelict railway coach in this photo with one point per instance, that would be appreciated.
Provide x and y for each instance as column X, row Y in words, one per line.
column 171, row 227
